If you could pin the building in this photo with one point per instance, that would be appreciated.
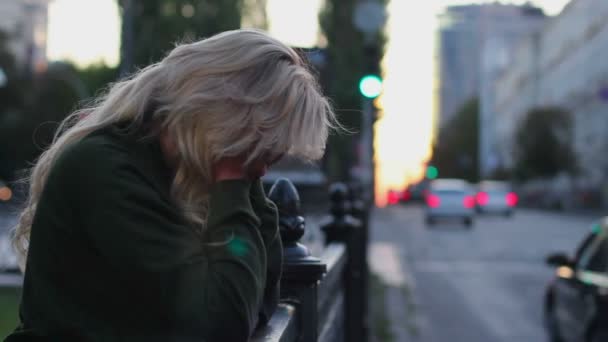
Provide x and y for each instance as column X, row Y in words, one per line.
column 503, row 27
column 475, row 44
column 515, row 91
column 458, row 58
column 25, row 24
column 563, row 66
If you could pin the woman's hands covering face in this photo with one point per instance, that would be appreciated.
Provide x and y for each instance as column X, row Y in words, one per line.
column 234, row 168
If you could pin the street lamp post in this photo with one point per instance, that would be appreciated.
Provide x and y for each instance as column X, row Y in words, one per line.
column 126, row 49
column 369, row 17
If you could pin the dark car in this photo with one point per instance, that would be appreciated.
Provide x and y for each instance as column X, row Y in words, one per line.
column 576, row 301
column 416, row 192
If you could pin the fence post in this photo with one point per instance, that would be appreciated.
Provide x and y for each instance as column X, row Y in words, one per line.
column 340, row 226
column 301, row 271
column 361, row 211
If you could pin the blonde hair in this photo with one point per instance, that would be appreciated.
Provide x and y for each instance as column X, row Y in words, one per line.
column 238, row 92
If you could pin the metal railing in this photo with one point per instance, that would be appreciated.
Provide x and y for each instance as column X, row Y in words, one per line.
column 324, row 298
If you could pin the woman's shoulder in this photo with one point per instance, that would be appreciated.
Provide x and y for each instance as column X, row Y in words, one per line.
column 98, row 150
column 110, row 156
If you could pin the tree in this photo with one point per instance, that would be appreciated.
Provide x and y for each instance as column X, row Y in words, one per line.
column 12, row 93
column 254, row 14
column 543, row 144
column 456, row 153
column 12, row 99
column 347, row 63
column 152, row 27
column 27, row 130
column 97, row 76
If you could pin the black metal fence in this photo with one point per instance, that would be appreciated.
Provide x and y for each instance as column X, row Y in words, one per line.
column 322, row 298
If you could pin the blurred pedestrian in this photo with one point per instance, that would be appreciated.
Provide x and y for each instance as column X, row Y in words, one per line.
column 146, row 217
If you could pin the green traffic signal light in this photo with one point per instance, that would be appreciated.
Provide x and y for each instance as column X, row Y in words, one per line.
column 432, row 172
column 370, row 86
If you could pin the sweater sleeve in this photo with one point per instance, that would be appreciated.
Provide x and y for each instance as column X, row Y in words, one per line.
column 207, row 286
column 268, row 213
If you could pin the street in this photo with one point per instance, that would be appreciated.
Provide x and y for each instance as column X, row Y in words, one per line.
column 484, row 284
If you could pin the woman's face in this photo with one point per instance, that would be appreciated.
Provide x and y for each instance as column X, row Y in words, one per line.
column 259, row 167
column 256, row 169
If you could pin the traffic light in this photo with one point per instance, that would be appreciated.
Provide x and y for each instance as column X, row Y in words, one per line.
column 432, row 172
column 370, row 86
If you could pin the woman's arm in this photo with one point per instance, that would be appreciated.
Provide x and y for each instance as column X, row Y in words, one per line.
column 208, row 286
column 267, row 211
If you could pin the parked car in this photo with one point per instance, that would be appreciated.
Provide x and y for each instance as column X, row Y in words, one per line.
column 576, row 300
column 450, row 199
column 495, row 197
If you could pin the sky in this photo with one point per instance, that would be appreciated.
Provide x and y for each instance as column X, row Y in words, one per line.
column 88, row 31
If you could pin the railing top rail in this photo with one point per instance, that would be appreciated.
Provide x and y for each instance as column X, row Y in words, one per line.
column 281, row 327
column 333, row 256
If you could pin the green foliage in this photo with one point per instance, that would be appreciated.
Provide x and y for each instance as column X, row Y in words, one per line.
column 543, row 144
column 254, row 14
column 9, row 309
column 456, row 153
column 158, row 24
column 12, row 97
column 26, row 130
column 97, row 77
column 12, row 94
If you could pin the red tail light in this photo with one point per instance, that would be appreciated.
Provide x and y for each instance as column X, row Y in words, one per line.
column 482, row 198
column 433, row 201
column 393, row 197
column 469, row 202
column 406, row 196
column 511, row 199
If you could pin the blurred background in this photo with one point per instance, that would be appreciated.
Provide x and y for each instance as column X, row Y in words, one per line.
column 459, row 109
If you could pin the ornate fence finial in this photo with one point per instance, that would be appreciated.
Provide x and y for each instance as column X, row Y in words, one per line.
column 301, row 271
column 339, row 201
column 339, row 225
column 355, row 193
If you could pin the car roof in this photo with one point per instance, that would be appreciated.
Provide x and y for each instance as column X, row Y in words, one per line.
column 449, row 183
column 493, row 184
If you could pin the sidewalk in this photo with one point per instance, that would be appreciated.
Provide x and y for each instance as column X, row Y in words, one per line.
column 391, row 287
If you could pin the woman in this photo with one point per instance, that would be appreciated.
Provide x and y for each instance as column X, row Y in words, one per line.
column 147, row 219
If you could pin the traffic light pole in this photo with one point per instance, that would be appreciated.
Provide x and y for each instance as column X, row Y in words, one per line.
column 367, row 147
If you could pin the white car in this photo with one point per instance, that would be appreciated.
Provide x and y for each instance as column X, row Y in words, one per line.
column 450, row 199
column 495, row 197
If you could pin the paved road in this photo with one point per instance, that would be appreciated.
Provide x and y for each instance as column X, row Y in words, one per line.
column 479, row 285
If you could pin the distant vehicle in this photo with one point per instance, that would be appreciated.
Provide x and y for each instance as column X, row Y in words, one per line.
column 495, row 197
column 393, row 197
column 415, row 192
column 450, row 198
column 576, row 300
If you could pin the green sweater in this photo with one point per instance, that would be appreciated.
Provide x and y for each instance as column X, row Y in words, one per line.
column 112, row 259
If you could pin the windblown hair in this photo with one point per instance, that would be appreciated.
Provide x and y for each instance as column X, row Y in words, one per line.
column 237, row 93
